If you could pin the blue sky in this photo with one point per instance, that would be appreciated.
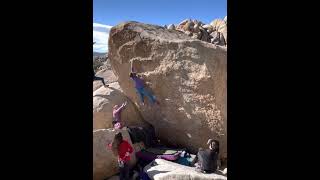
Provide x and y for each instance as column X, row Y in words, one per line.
column 108, row 13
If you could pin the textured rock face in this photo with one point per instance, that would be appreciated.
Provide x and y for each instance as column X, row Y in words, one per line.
column 104, row 162
column 188, row 77
column 166, row 170
column 103, row 101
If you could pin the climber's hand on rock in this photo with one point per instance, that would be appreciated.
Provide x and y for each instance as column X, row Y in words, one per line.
column 125, row 103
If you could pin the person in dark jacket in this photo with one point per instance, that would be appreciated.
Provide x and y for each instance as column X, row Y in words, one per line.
column 96, row 78
column 207, row 159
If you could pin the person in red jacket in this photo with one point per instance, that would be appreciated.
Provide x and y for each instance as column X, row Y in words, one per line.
column 122, row 149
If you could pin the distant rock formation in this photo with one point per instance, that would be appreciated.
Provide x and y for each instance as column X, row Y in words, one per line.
column 215, row 32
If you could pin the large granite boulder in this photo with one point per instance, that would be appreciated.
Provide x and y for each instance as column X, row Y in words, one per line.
column 188, row 77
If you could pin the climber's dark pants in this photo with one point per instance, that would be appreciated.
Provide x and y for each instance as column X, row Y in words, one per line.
column 124, row 172
column 95, row 78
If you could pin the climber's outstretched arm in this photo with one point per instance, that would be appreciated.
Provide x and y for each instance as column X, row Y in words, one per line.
column 121, row 107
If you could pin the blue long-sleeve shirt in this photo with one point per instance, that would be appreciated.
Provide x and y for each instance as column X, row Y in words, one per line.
column 137, row 81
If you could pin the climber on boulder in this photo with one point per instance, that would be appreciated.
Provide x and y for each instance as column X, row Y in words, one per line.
column 139, row 85
column 116, row 113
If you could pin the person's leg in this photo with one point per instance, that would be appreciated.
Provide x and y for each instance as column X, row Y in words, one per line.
column 102, row 80
column 126, row 171
column 122, row 173
column 140, row 92
column 150, row 96
column 99, row 79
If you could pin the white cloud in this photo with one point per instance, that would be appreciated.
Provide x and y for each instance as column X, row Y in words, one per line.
column 100, row 36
